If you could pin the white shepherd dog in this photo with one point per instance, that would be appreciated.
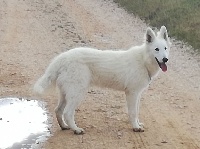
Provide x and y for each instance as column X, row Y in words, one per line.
column 130, row 71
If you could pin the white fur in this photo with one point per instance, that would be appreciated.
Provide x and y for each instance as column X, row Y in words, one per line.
column 130, row 71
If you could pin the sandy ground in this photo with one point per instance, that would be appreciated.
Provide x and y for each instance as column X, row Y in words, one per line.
column 32, row 32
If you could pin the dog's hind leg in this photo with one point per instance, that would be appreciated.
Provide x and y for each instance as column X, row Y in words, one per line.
column 75, row 84
column 73, row 100
column 60, row 111
column 72, row 104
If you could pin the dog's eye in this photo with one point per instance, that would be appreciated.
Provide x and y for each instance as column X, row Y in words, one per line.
column 157, row 49
column 165, row 48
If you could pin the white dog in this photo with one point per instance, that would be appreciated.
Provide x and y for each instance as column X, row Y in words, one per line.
column 130, row 71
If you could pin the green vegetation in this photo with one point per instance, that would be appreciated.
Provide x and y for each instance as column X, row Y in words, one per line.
column 181, row 17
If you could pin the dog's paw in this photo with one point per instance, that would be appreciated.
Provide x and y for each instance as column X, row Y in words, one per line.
column 141, row 124
column 139, row 129
column 79, row 131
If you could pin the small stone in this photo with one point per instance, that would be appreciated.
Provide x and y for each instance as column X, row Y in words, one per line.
column 60, row 26
column 87, row 127
column 118, row 119
column 163, row 141
column 92, row 92
column 158, row 144
column 119, row 134
column 14, row 73
column 194, row 127
column 93, row 126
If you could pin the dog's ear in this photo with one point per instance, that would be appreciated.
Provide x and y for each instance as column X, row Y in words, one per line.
column 163, row 34
column 150, row 35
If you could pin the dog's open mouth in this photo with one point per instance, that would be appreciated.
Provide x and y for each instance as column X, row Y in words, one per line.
column 162, row 65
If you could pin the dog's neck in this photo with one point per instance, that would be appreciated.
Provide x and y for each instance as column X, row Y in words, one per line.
column 149, row 74
column 151, row 66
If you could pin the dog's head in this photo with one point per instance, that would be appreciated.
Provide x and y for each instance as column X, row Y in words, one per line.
column 159, row 46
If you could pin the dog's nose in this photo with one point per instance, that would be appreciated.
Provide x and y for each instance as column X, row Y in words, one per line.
column 165, row 59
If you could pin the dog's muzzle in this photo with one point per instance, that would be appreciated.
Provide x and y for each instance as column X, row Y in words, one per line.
column 162, row 64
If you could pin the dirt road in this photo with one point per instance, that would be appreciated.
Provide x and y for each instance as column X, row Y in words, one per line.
column 32, row 32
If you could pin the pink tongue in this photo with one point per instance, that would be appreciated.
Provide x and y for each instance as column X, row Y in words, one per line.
column 163, row 67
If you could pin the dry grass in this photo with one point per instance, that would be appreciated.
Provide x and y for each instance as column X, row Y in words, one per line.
column 181, row 17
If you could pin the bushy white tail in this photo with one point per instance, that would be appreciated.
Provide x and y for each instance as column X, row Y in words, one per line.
column 43, row 84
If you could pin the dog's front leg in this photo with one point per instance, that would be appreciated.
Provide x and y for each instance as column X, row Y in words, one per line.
column 138, row 109
column 132, row 99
